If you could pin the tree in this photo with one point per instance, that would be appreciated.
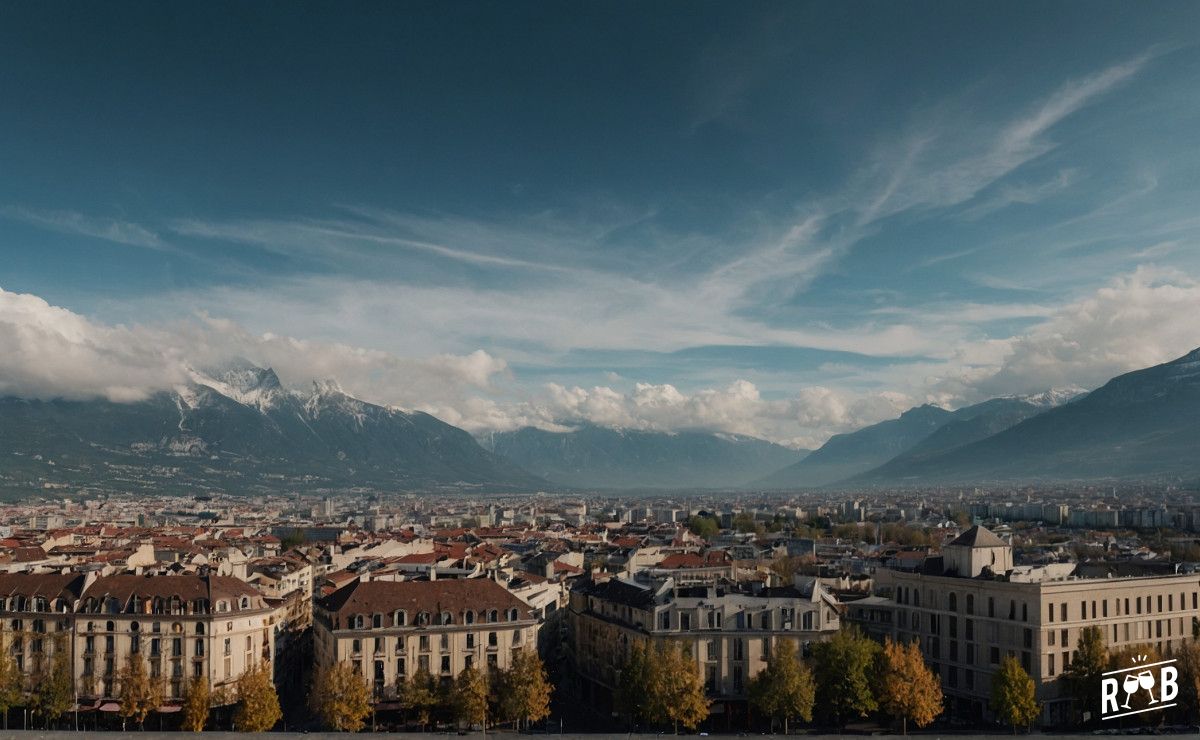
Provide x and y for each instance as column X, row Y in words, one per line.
column 258, row 703
column 419, row 694
column 53, row 693
column 785, row 688
column 526, row 690
column 1085, row 673
column 10, row 680
column 1189, row 676
column 197, row 701
column 341, row 698
column 842, row 669
column 907, row 688
column 139, row 694
column 469, row 697
column 676, row 689
column 634, row 685
column 1013, row 695
column 703, row 526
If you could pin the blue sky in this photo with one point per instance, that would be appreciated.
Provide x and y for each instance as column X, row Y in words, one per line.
column 781, row 219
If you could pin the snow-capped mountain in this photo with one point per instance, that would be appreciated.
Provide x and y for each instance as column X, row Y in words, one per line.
column 237, row 428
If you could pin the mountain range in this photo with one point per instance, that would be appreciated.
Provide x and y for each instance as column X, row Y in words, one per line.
column 599, row 457
column 237, row 429
column 1141, row 425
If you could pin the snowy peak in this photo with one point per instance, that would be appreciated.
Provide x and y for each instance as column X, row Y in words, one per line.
column 241, row 381
column 1053, row 397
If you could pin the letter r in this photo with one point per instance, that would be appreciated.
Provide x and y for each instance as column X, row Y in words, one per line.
column 1108, row 694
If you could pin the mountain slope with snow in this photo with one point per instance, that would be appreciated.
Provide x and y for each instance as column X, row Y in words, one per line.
column 238, row 429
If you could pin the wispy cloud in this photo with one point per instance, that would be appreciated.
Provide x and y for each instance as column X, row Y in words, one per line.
column 96, row 227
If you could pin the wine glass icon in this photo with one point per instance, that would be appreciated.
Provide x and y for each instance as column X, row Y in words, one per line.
column 1130, row 684
column 1146, row 681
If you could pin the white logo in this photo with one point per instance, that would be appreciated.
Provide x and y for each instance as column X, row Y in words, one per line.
column 1135, row 679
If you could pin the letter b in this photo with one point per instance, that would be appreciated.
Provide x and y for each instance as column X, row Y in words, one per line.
column 1170, row 688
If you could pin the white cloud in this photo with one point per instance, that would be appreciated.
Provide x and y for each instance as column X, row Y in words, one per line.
column 71, row 222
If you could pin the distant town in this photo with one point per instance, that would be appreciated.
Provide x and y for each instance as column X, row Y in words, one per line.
column 405, row 611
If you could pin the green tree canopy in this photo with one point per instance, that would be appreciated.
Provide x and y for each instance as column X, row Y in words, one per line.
column 784, row 689
column 1014, row 698
column 843, row 668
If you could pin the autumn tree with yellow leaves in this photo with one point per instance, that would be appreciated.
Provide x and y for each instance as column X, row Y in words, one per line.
column 525, row 690
column 907, row 688
column 341, row 698
column 197, row 701
column 258, row 703
column 139, row 693
column 469, row 697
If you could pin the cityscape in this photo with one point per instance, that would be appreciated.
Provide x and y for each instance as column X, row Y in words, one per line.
column 609, row 369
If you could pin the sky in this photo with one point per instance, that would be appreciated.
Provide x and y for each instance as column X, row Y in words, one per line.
column 780, row 219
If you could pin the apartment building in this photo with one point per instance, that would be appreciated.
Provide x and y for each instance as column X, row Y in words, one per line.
column 206, row 626
column 729, row 629
column 971, row 606
column 390, row 629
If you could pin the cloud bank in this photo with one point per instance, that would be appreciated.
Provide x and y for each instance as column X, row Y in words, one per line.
column 1137, row 319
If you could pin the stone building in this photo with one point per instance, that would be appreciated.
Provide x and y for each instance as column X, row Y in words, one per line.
column 183, row 626
column 729, row 630
column 971, row 606
column 390, row 629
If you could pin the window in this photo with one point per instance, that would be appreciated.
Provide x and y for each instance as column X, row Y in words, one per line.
column 991, row 606
column 711, row 650
column 470, row 640
column 445, row 665
column 400, row 618
column 446, row 618
column 199, row 648
column 766, row 648
column 376, row 621
column 970, row 603
column 154, row 646
column 423, row 643
column 199, row 628
column 994, row 655
column 492, row 639
column 445, row 641
column 355, row 646
column 1051, row 612
column 469, row 617
column 1050, row 664
column 685, row 621
column 177, row 647
column 400, row 663
column 953, row 601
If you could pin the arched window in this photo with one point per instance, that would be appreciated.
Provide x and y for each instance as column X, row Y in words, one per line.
column 493, row 616
column 970, row 603
column 512, row 614
column 953, row 598
column 400, row 619
column 110, row 626
column 133, row 626
column 469, row 617
column 916, row 596
column 422, row 619
column 447, row 618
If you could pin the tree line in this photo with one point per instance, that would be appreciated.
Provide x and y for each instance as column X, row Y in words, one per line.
column 846, row 678
column 521, row 694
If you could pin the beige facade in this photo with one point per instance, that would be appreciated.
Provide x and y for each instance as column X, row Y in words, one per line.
column 182, row 627
column 967, row 625
column 388, row 630
column 728, row 632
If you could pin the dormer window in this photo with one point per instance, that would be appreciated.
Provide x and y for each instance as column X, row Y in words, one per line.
column 512, row 615
column 400, row 619
column 422, row 619
column 469, row 617
column 245, row 602
column 493, row 616
column 376, row 621
column 447, row 618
